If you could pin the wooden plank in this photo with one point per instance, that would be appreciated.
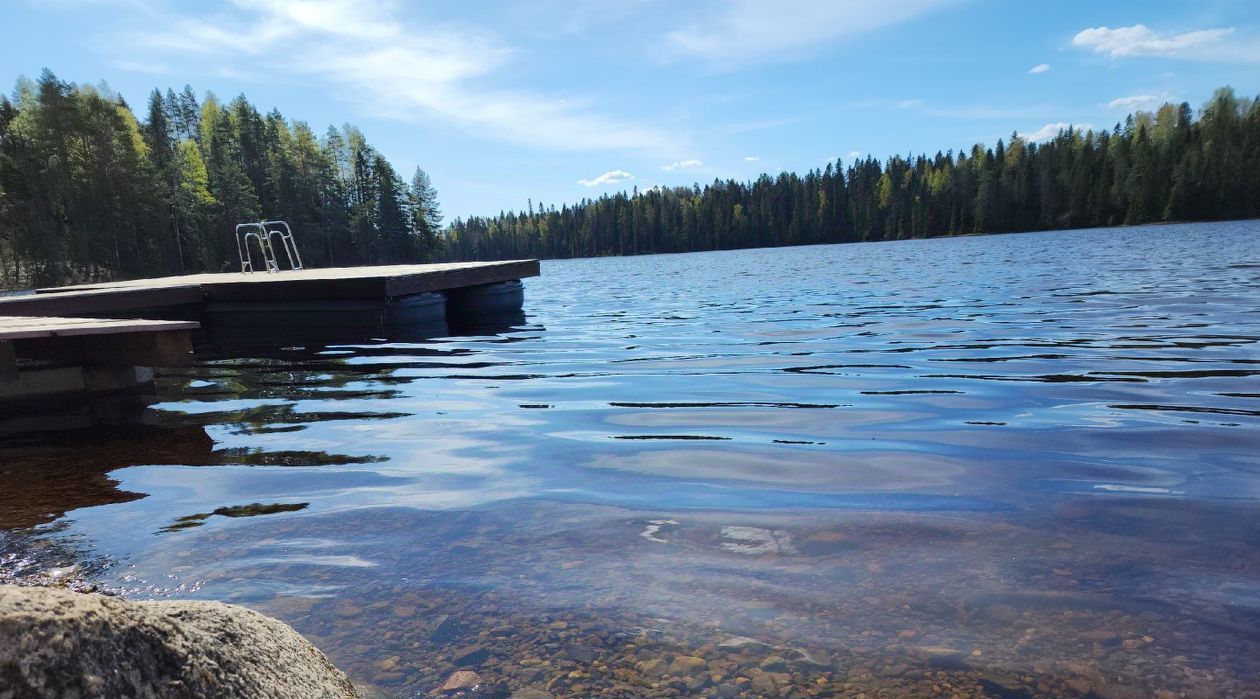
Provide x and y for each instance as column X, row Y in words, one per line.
column 295, row 288
column 364, row 283
column 188, row 280
column 99, row 341
column 101, row 301
column 148, row 349
column 377, row 272
column 440, row 280
column 22, row 328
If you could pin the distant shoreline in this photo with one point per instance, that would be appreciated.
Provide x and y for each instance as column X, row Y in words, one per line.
column 1153, row 224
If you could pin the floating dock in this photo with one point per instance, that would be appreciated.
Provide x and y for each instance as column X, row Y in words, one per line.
column 49, row 358
column 370, row 292
column 97, row 340
column 101, row 337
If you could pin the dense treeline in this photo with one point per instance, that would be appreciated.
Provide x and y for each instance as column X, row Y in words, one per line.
column 1161, row 166
column 88, row 191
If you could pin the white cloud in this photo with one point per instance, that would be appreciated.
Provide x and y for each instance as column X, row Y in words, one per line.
column 1049, row 131
column 683, row 165
column 367, row 55
column 746, row 31
column 751, row 158
column 853, row 154
column 1040, row 68
column 142, row 67
column 610, row 177
column 1141, row 40
column 910, row 104
column 1139, row 101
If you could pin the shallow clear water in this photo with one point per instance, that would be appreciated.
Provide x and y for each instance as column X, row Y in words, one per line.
column 1014, row 465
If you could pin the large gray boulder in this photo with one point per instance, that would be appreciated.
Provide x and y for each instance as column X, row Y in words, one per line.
column 57, row 643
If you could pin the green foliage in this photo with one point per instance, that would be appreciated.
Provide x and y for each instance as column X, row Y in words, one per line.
column 1165, row 166
column 87, row 192
column 426, row 215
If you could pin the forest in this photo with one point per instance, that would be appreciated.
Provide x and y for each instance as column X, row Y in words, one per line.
column 90, row 192
column 1167, row 165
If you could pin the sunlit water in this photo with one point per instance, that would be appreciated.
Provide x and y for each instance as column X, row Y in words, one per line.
column 1014, row 465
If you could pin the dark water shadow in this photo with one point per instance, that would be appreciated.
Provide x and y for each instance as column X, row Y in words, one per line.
column 232, row 342
column 53, row 473
column 492, row 324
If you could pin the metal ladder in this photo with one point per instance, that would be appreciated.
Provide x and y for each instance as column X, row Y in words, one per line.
column 262, row 233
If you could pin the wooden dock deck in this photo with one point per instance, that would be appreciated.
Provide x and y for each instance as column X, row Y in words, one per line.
column 94, row 338
column 36, row 327
column 141, row 297
column 46, row 359
column 386, row 281
column 124, row 302
column 99, row 341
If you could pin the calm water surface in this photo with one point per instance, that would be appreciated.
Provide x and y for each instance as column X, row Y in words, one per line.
column 1023, row 465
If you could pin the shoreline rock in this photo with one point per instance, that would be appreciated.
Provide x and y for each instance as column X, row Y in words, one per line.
column 56, row 643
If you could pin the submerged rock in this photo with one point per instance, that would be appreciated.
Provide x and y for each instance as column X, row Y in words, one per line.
column 463, row 679
column 684, row 665
column 57, row 643
column 743, row 642
column 941, row 657
column 445, row 629
column 472, row 655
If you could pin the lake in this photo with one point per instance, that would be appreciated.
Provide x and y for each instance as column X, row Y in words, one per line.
column 1015, row 465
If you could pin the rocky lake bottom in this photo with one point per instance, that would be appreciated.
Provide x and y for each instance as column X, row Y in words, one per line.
column 834, row 614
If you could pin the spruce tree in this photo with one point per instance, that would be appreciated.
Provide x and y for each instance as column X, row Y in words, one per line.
column 425, row 215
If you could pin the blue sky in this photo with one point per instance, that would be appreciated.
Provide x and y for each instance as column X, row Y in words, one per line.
column 503, row 102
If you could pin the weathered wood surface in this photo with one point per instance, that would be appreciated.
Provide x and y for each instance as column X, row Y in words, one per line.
column 143, row 296
column 147, row 349
column 189, row 296
column 383, row 282
column 121, row 301
column 24, row 327
column 99, row 341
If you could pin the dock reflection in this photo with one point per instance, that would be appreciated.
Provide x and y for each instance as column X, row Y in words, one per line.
column 65, row 465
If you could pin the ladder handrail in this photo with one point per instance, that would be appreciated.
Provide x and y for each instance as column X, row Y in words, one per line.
column 287, row 240
column 263, row 231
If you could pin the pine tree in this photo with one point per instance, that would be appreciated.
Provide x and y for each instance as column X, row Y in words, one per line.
column 425, row 216
column 393, row 227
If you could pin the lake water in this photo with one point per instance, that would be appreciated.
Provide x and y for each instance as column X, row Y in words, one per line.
column 1019, row 465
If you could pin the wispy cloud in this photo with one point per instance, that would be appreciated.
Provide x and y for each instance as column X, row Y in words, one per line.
column 853, row 154
column 974, row 111
column 751, row 158
column 1218, row 44
column 690, row 164
column 1139, row 101
column 610, row 177
column 142, row 67
column 1049, row 131
column 738, row 32
column 1040, row 68
column 761, row 124
column 398, row 71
